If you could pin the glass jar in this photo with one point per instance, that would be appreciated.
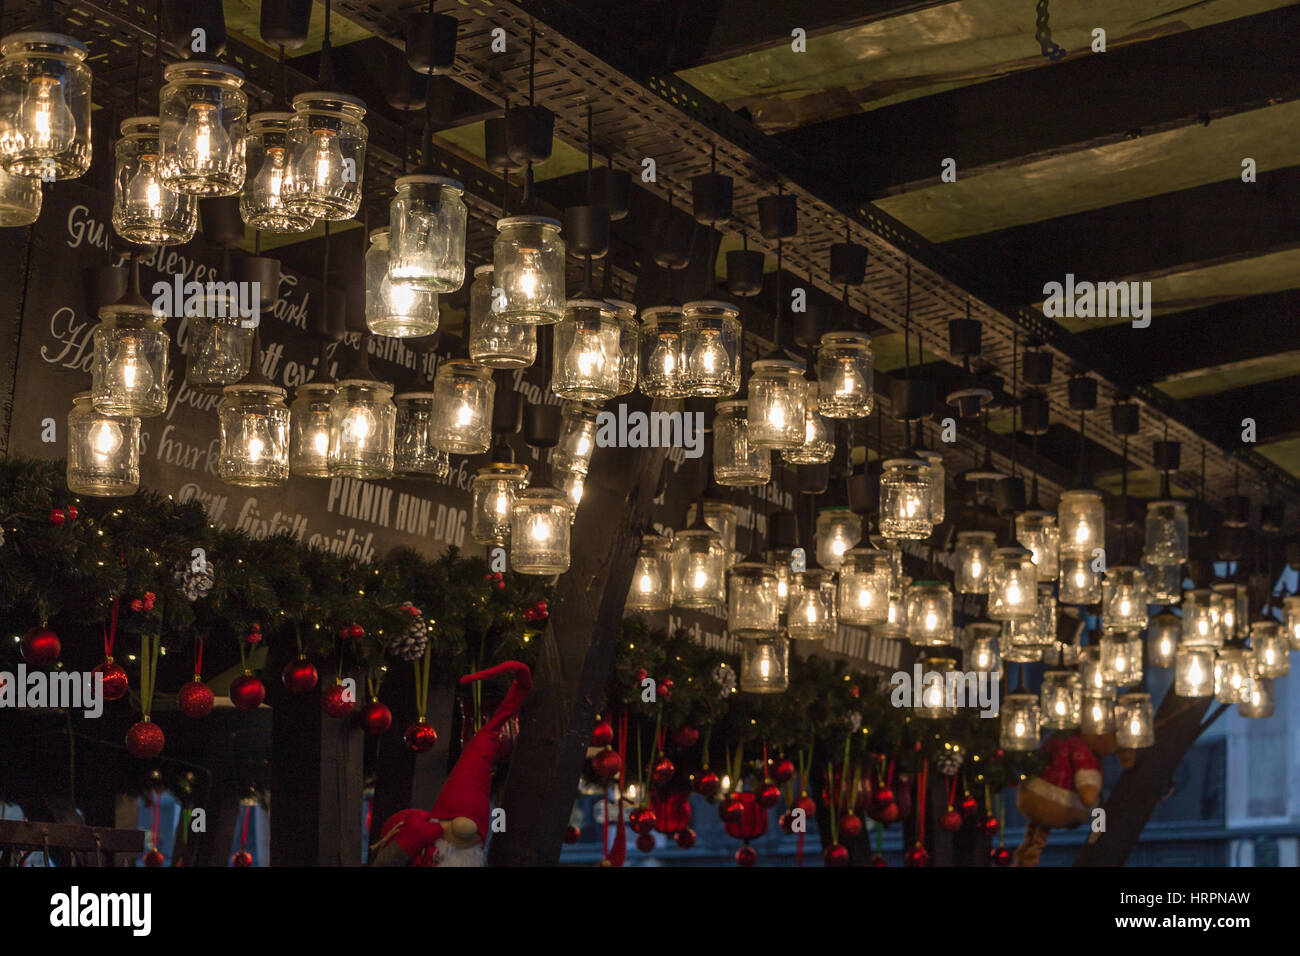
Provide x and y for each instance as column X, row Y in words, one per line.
column 1062, row 700
column 938, row 479
column 1194, row 671
column 494, row 341
column 753, row 606
column 663, row 355
column 906, row 495
column 586, row 358
column 1121, row 658
column 1162, row 639
column 721, row 517
column 972, row 555
column 845, row 373
column 1234, row 609
column 1061, row 653
column 203, row 113
column 217, row 350
column 894, row 626
column 1233, row 669
column 327, row 155
column 1259, row 699
column 1082, row 516
column 652, row 578
column 838, row 532
column 45, row 99
column 777, row 404
column 539, row 531
column 1013, row 585
column 929, row 613
column 494, row 488
column 711, row 348
column 573, row 484
column 982, row 646
column 415, row 454
column 1097, row 716
column 699, row 569
column 736, row 461
column 1202, row 610
column 463, row 393
column 818, row 444
column 1091, row 678
column 129, row 376
column 1166, row 532
column 144, row 210
column 1291, row 610
column 261, row 204
column 254, row 422
column 427, row 219
column 1272, row 653
column 103, row 451
column 1037, row 531
column 20, row 199
column 865, row 576
column 938, row 702
column 1124, row 598
column 528, row 270
column 1020, row 719
column 577, row 438
column 309, row 429
column 812, row 614
column 1134, row 721
column 1079, row 583
column 1164, row 582
column 396, row 308
column 765, row 664
column 629, row 344
column 363, row 421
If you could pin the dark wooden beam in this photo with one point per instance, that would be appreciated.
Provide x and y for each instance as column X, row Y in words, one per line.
column 1274, row 406
column 39, row 834
column 1191, row 77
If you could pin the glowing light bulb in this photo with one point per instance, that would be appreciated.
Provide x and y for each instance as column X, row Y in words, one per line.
column 464, row 415
column 586, row 358
column 105, row 439
column 847, row 381
column 976, row 569
column 321, row 442
column 709, row 357
column 540, row 529
column 931, row 621
column 44, row 117
column 584, row 445
column 700, row 580
column 664, row 361
column 776, row 415
column 1125, row 608
column 1020, row 729
column 268, row 184
column 1082, row 533
column 202, row 141
column 1060, row 708
column 765, row 668
column 501, row 504
column 320, row 167
column 1014, row 594
column 145, row 197
column 356, row 429
column 1135, row 727
column 1080, row 579
column 129, row 376
column 645, row 584
column 864, row 599
column 257, row 437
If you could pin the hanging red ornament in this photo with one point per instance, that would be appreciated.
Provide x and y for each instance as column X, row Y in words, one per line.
column 746, row 855
column 990, row 825
column 672, row 810
column 115, row 680
column 196, row 699
column 708, row 783
column 686, row 737
column 1000, row 856
column 685, row 838
column 786, row 821
column 951, row 820
column 836, row 855
column 917, row 856
column 607, row 764
column 41, row 647
column 731, row 810
column 376, row 718
column 783, row 772
column 664, row 690
column 602, row 735
column 968, row 806
column 155, row 858
column 247, row 691
column 336, row 701
column 851, row 825
column 541, row 611
column 144, row 740
column 57, row 517
column 879, row 860
column 242, row 858
column 807, row 804
column 768, row 795
column 663, row 771
column 72, row 512
column 572, row 834
column 645, row 842
column 420, row 736
column 355, row 631
column 299, row 676
column 641, row 820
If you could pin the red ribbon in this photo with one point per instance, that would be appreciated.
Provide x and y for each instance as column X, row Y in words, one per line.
column 110, row 633
column 198, row 655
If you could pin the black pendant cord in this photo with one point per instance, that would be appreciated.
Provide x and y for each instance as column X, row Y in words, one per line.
column 1085, row 480
column 325, row 76
column 529, row 199
column 426, row 144
column 282, row 87
column 1165, row 491
column 780, row 296
column 1124, row 513
column 158, row 48
column 907, row 325
column 1015, row 404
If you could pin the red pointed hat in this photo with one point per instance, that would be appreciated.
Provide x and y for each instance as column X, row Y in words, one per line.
column 465, row 794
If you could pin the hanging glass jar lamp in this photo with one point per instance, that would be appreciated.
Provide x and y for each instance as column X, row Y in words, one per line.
column 395, row 307
column 1091, row 678
column 577, row 440
column 586, row 357
column 1260, row 699
column 327, row 155
column 629, row 345
column 1082, row 516
column 363, row 421
column 906, row 499
column 894, row 626
column 1020, row 722
column 261, row 204
column 663, row 355
column 129, row 375
column 1079, row 583
column 753, row 603
column 765, row 664
column 20, row 199
column 1272, row 652
column 1097, row 716
column 1162, row 639
column 972, row 554
column 1166, row 532
column 818, row 444
column 254, row 424
column 865, row 577
column 540, row 521
column 845, row 374
column 309, row 429
column 463, row 393
column 528, row 270
column 1134, row 721
column 1194, row 671
column 427, row 220
column 1291, row 620
column 1121, row 658
column 777, row 404
column 218, row 344
column 652, row 578
column 929, row 613
column 938, row 479
column 493, row 340
column 838, row 531
column 1012, row 585
column 721, row 517
column 1124, row 598
column 45, row 99
column 415, row 452
column 495, row 487
column 103, row 451
column 144, row 210
column 1234, row 609
column 572, row 483
column 737, row 462
column 699, row 567
column 1202, row 626
column 711, row 348
column 1233, row 670
column 1164, row 582
column 1037, row 531
column 812, row 614
column 203, row 113
column 982, row 646
column 1062, row 700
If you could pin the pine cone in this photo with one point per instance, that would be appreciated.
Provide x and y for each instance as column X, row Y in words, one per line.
column 412, row 644
column 949, row 762
column 725, row 680
column 194, row 584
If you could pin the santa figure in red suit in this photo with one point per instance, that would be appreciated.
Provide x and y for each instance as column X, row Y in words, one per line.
column 454, row 832
column 1062, row 794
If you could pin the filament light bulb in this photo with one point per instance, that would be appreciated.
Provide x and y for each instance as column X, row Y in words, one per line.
column 44, row 116
column 129, row 375
column 202, row 141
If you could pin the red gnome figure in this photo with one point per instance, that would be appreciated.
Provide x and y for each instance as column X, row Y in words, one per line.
column 1061, row 795
column 455, row 830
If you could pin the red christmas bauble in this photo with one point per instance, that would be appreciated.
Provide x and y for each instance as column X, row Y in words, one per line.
column 247, row 692
column 990, row 825
column 917, row 856
column 851, row 825
column 420, row 737
column 72, row 512
column 356, row 631
column 968, row 806
column 879, row 860
column 768, row 795
column 195, row 699
column 708, row 783
column 642, row 820
column 242, row 858
column 1000, row 856
column 783, row 771
column 57, row 517
column 607, row 764
column 951, row 820
column 882, row 796
column 299, row 676
column 645, row 842
column 572, row 834
column 41, row 647
column 376, row 718
column 786, row 822
column 335, row 701
column 731, row 810
column 685, row 838
column 746, row 856
column 144, row 740
column 663, row 771
column 602, row 735
column 686, row 737
column 115, row 680
column 155, row 858
column 807, row 804
column 836, row 855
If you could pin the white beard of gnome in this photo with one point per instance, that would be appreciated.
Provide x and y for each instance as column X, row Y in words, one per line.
column 454, row 832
